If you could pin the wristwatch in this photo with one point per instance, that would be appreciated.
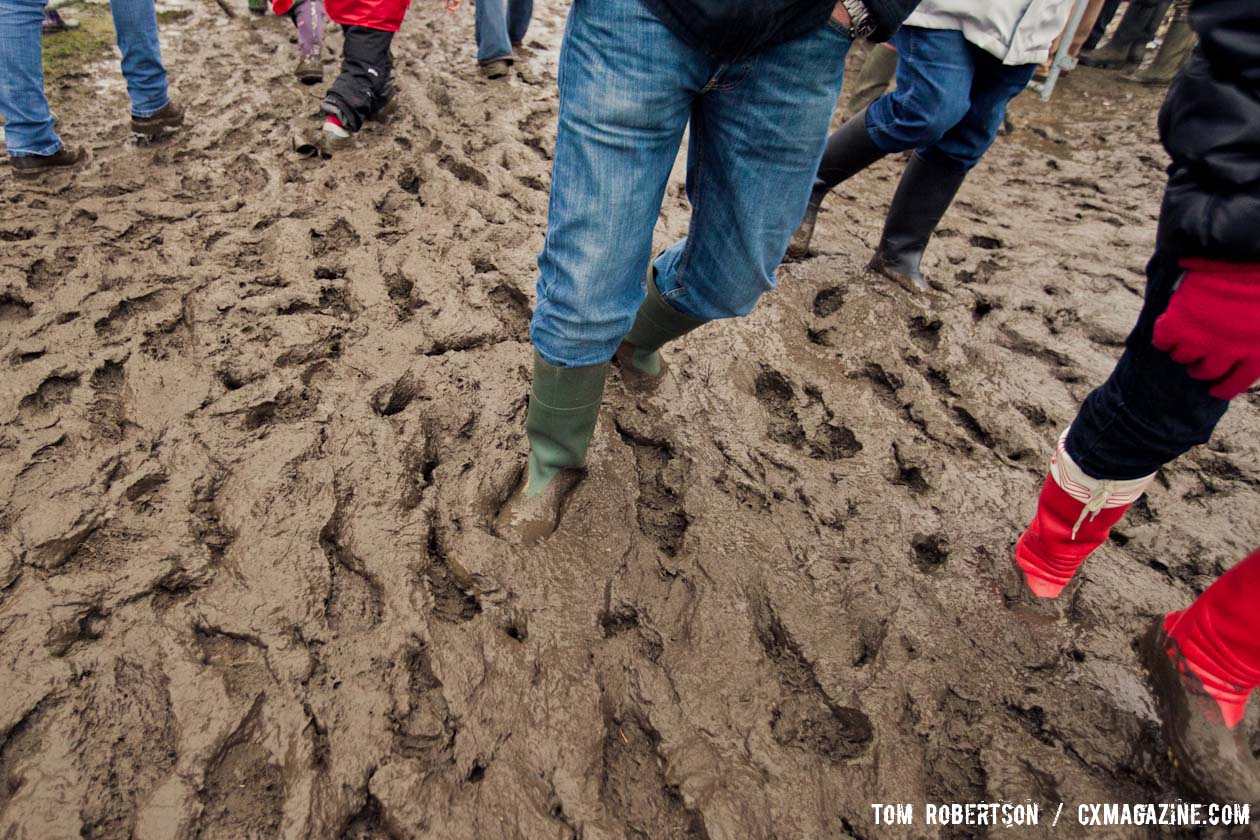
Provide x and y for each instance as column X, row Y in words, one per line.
column 861, row 23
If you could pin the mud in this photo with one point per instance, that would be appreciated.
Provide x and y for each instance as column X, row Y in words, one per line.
column 257, row 414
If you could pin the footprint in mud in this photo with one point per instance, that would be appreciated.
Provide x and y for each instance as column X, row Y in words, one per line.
column 828, row 301
column 353, row 603
column 925, row 333
column 129, row 745
column 930, row 551
column 244, row 790
column 832, row 441
column 423, row 729
column 909, row 474
column 465, row 172
column 626, row 619
column 634, row 788
column 513, row 308
column 239, row 659
column 337, row 239
column 661, row 515
column 389, row 400
column 13, row 307
column 120, row 316
column 53, row 392
column 108, row 411
column 452, row 602
column 807, row 718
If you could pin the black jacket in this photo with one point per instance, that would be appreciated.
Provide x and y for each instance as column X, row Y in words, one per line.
column 732, row 29
column 1210, row 124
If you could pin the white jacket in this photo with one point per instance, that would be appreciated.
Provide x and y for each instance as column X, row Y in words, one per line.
column 1015, row 31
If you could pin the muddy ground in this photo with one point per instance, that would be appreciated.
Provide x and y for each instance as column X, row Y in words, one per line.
column 257, row 412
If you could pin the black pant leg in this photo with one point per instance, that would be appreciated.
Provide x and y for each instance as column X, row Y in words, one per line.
column 366, row 79
column 1150, row 410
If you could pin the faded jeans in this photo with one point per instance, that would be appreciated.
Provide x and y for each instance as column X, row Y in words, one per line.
column 500, row 24
column 28, row 128
column 628, row 90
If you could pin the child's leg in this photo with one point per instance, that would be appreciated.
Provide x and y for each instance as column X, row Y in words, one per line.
column 364, row 85
column 303, row 15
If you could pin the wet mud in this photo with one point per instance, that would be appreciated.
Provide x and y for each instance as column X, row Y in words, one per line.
column 257, row 414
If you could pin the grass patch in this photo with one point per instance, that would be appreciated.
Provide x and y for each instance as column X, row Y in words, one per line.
column 172, row 15
column 66, row 52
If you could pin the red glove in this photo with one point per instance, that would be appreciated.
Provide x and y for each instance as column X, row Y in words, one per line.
column 1212, row 325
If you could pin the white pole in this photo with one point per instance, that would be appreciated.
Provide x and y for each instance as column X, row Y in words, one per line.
column 1061, row 58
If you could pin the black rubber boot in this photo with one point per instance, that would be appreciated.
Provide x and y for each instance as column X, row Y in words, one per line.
column 850, row 149
column 923, row 195
column 1212, row 761
column 1127, row 47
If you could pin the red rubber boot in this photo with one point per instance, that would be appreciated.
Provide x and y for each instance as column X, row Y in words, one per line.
column 1219, row 638
column 1075, row 513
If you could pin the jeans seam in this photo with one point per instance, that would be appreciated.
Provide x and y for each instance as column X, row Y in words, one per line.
column 685, row 258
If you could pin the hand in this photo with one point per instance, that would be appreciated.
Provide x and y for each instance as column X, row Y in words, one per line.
column 1212, row 325
column 451, row 5
column 841, row 16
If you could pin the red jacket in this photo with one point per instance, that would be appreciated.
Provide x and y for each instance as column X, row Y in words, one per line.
column 374, row 14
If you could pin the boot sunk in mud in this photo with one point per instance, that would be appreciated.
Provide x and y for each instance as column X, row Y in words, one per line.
column 1202, row 664
column 1075, row 514
column 563, row 407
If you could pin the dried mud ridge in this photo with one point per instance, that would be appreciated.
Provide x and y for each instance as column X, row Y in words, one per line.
column 254, row 411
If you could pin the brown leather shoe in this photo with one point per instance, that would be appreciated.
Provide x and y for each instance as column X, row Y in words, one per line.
column 1210, row 759
column 34, row 166
column 170, row 117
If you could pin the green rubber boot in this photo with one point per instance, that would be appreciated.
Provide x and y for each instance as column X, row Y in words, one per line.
column 1178, row 43
column 563, row 408
column 656, row 324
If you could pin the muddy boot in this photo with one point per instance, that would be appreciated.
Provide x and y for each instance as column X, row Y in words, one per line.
column 310, row 70
column 1075, row 514
column 29, row 167
column 1127, row 47
column 258, row 7
column 923, row 195
column 497, row 69
column 850, row 149
column 1211, row 759
column 1178, row 43
column 169, row 118
column 563, row 408
column 656, row 324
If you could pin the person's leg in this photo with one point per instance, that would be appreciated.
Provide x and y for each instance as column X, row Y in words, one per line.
column 756, row 137
column 934, row 71
column 1127, row 46
column 626, row 90
column 1108, row 13
column 937, row 170
column 135, row 22
column 492, row 31
column 1203, row 663
column 1149, row 412
column 1176, row 47
column 520, row 13
column 28, row 128
column 1092, row 11
column 878, row 71
column 366, row 81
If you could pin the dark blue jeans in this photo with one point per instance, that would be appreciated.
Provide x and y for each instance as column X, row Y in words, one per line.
column 1149, row 411
column 949, row 100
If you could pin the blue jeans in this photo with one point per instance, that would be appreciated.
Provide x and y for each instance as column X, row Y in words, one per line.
column 949, row 100
column 1150, row 411
column 628, row 88
column 28, row 128
column 500, row 24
